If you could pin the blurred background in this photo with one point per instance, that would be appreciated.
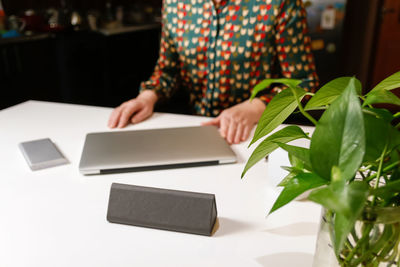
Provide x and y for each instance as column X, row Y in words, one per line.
column 97, row 52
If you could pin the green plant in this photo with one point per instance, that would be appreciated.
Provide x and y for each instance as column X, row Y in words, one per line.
column 352, row 165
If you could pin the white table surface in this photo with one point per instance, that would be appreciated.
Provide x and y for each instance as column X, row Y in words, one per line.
column 57, row 216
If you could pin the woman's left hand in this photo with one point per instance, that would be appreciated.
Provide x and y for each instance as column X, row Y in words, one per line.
column 236, row 123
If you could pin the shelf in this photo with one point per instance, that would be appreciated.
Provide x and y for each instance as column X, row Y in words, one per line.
column 129, row 29
column 23, row 39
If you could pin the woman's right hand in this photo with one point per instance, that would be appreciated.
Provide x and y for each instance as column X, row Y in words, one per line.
column 133, row 111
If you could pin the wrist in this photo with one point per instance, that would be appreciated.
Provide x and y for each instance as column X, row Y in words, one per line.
column 148, row 96
column 257, row 104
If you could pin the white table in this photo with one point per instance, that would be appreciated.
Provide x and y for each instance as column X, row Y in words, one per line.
column 57, row 217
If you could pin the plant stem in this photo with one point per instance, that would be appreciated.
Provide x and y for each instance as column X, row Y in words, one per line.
column 385, row 244
column 360, row 242
column 376, row 250
column 307, row 115
column 363, row 99
column 378, row 173
column 366, row 168
column 390, row 245
column 363, row 243
column 388, row 168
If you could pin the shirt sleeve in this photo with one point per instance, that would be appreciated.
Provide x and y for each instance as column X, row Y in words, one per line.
column 293, row 47
column 165, row 73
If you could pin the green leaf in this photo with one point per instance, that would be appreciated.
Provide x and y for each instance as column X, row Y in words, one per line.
column 269, row 144
column 276, row 112
column 330, row 91
column 267, row 82
column 294, row 161
column 394, row 138
column 390, row 83
column 337, row 181
column 378, row 133
column 329, row 199
column 379, row 113
column 396, row 172
column 381, row 96
column 339, row 137
column 293, row 172
column 387, row 191
column 287, row 178
column 343, row 226
column 376, row 136
column 296, row 186
column 292, row 169
column 297, row 167
column 300, row 153
column 347, row 201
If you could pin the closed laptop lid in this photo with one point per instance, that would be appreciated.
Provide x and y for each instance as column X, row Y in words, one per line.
column 109, row 152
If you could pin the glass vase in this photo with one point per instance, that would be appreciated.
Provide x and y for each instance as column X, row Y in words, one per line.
column 373, row 241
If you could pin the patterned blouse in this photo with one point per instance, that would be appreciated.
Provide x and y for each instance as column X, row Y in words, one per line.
column 219, row 53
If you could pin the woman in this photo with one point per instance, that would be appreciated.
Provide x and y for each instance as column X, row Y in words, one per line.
column 219, row 50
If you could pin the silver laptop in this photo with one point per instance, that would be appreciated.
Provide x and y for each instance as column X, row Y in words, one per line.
column 123, row 151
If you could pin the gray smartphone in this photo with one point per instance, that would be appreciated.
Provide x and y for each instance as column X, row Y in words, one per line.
column 41, row 154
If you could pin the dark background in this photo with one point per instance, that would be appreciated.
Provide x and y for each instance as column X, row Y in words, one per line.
column 77, row 66
column 18, row 6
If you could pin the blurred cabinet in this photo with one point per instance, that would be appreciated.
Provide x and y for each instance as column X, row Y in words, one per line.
column 325, row 22
column 27, row 71
column 387, row 54
column 78, row 67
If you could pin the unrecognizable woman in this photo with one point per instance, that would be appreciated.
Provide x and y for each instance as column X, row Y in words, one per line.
column 218, row 50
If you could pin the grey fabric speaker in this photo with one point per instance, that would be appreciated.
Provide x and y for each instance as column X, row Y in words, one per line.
column 172, row 210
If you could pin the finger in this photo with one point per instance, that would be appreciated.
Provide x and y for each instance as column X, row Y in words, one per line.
column 126, row 114
column 141, row 115
column 246, row 132
column 114, row 117
column 238, row 134
column 223, row 128
column 216, row 121
column 231, row 131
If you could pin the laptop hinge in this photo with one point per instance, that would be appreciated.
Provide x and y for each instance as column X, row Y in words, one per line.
column 160, row 167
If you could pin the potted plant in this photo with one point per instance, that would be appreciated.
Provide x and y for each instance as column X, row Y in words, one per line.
column 351, row 167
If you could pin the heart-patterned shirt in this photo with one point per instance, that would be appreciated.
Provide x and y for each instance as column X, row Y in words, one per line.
column 220, row 53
